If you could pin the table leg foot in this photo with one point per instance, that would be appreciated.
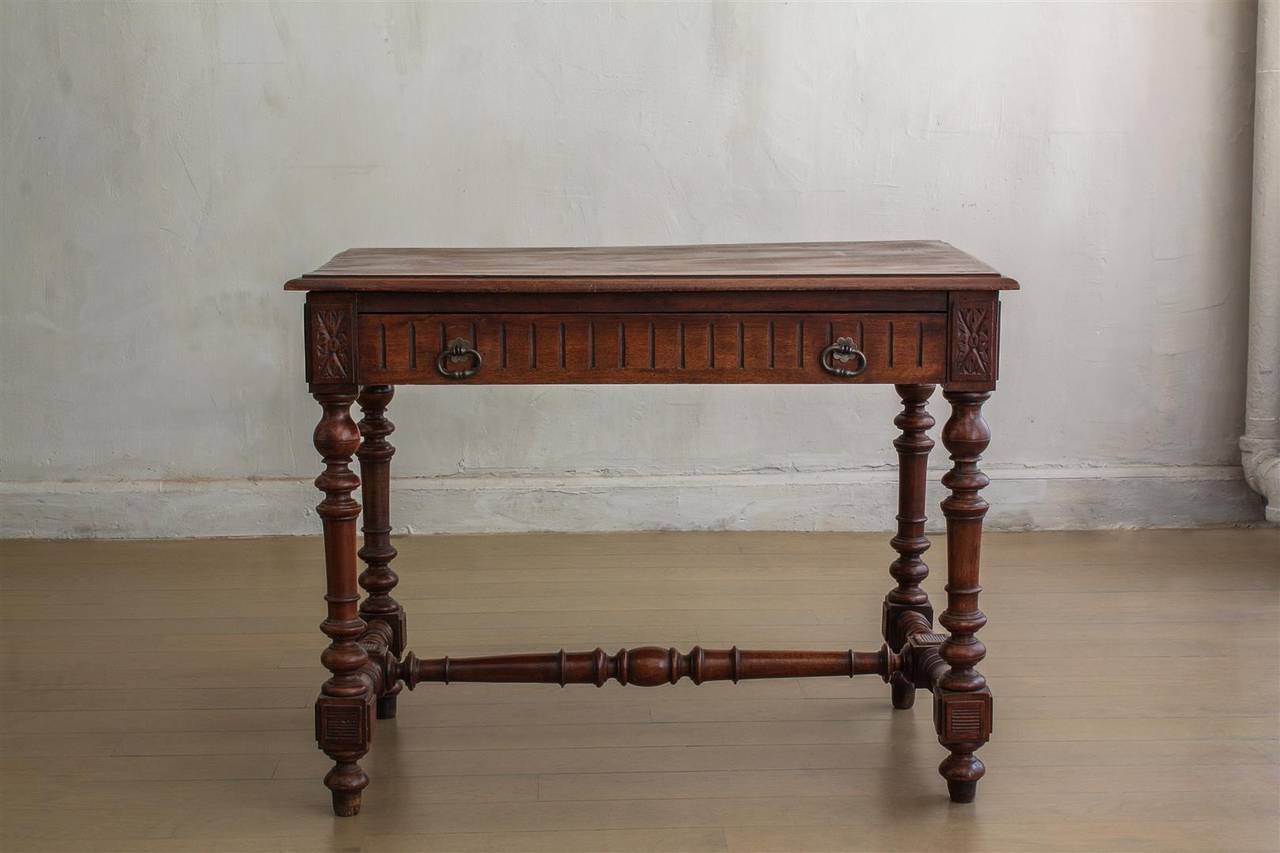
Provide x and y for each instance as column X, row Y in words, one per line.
column 962, row 770
column 346, row 803
column 902, row 691
column 963, row 791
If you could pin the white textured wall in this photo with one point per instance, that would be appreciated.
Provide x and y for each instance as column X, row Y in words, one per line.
column 165, row 167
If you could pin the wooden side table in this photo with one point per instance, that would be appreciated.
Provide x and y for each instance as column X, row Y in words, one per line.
column 912, row 314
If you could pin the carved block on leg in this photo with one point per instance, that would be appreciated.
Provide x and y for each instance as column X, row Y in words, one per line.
column 963, row 722
column 896, row 625
column 386, row 703
column 921, row 663
column 398, row 625
column 896, row 620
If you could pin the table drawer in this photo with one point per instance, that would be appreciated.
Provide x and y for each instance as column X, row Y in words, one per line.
column 499, row 349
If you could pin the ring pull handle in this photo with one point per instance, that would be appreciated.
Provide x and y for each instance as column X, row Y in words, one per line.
column 843, row 351
column 458, row 348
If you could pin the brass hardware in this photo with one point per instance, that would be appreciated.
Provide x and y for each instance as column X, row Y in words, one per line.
column 458, row 348
column 843, row 350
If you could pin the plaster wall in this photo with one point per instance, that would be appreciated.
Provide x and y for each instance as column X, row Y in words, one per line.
column 166, row 167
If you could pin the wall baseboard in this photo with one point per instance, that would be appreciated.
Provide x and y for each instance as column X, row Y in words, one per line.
column 861, row 500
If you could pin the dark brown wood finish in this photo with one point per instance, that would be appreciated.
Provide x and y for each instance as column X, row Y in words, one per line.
column 378, row 579
column 647, row 348
column 344, row 711
column 648, row 666
column 330, row 334
column 773, row 260
column 912, row 314
column 974, row 335
column 613, row 300
column 909, row 570
column 963, row 708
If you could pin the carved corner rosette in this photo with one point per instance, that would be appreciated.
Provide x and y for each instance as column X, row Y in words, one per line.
column 975, row 330
column 331, row 343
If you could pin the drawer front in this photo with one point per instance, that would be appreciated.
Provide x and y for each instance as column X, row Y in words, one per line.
column 513, row 349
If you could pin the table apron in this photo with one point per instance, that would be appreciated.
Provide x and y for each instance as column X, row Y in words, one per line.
column 676, row 348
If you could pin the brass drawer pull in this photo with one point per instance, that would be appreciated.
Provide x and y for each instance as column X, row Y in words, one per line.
column 843, row 350
column 458, row 348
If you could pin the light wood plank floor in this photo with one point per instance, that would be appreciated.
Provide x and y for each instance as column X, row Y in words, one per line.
column 157, row 696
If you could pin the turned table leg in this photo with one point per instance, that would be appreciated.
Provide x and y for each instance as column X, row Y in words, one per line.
column 378, row 580
column 962, row 701
column 909, row 570
column 344, row 711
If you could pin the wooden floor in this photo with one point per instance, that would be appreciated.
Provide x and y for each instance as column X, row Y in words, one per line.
column 157, row 696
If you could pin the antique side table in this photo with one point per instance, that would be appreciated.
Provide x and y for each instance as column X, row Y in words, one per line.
column 911, row 314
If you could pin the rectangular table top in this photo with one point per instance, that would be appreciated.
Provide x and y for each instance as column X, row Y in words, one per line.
column 886, row 265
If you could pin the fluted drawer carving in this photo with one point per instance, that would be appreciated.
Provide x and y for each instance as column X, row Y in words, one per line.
column 717, row 348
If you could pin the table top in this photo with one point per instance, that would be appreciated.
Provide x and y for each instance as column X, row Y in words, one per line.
column 886, row 265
